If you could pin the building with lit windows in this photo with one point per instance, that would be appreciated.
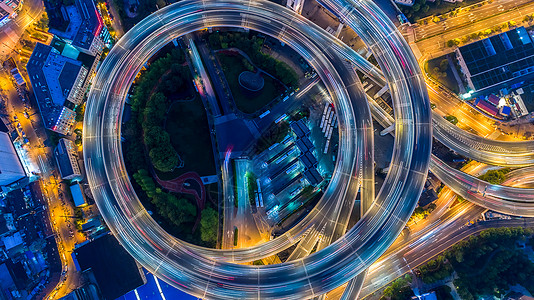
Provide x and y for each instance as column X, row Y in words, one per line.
column 498, row 60
column 79, row 25
column 67, row 160
column 9, row 10
column 11, row 169
column 59, row 84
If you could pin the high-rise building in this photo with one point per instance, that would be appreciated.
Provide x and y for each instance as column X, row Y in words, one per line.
column 59, row 84
column 67, row 160
column 81, row 26
column 496, row 61
column 11, row 170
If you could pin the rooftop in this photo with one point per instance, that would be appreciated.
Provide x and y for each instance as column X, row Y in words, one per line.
column 52, row 76
column 115, row 271
column 62, row 157
column 77, row 195
column 84, row 24
column 11, row 168
column 499, row 58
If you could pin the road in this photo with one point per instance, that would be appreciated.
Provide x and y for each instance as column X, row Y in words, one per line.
column 11, row 32
column 506, row 200
column 200, row 274
column 444, row 227
column 206, row 275
column 435, row 46
column 42, row 161
column 465, row 16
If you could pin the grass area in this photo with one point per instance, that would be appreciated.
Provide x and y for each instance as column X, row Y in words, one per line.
column 188, row 128
column 252, row 186
column 258, row 262
column 234, row 171
column 232, row 67
column 235, row 236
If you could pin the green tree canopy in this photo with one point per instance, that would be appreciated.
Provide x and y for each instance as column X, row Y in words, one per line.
column 208, row 225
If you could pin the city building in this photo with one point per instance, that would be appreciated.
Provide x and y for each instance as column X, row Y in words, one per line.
column 9, row 10
column 497, row 60
column 80, row 25
column 59, row 84
column 67, row 160
column 77, row 195
column 107, row 264
column 11, row 169
column 7, row 224
column 86, row 292
column 313, row 176
column 487, row 107
column 155, row 286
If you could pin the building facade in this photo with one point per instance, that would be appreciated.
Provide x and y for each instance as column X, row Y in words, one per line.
column 9, row 10
column 59, row 84
column 84, row 26
column 11, row 169
column 67, row 160
column 497, row 60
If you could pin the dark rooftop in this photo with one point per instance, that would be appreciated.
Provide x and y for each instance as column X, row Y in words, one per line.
column 301, row 145
column 3, row 127
column 115, row 271
column 313, row 176
column 300, row 128
column 52, row 76
column 84, row 24
column 63, row 161
column 499, row 58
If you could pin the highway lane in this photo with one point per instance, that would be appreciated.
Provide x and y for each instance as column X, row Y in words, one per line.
column 444, row 227
column 482, row 149
column 100, row 154
column 406, row 259
column 523, row 177
column 141, row 236
column 507, row 200
column 503, row 199
column 494, row 152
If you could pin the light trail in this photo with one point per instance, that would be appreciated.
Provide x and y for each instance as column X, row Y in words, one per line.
column 201, row 271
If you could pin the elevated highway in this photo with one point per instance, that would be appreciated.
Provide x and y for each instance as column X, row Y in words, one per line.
column 205, row 272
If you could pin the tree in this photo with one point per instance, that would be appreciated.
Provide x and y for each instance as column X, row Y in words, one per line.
column 154, row 136
column 164, row 157
column 399, row 289
column 495, row 176
column 208, row 225
column 425, row 8
column 452, row 119
column 443, row 65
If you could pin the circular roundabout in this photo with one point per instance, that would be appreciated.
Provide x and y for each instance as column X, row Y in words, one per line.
column 216, row 274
